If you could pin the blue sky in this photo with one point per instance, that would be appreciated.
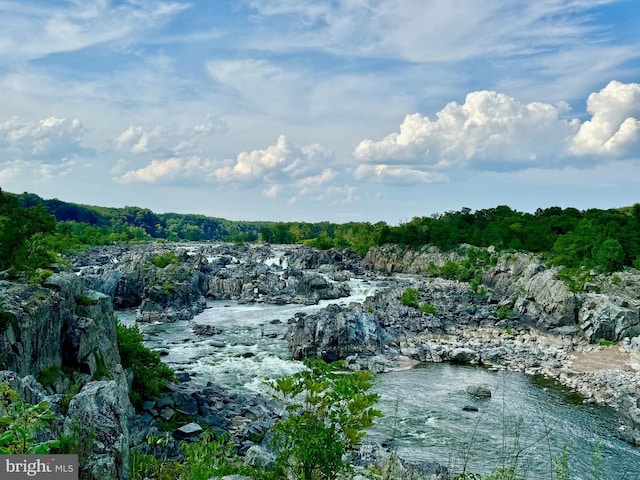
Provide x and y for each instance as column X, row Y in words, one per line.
column 339, row 110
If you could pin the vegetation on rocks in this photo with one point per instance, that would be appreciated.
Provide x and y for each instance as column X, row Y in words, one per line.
column 150, row 375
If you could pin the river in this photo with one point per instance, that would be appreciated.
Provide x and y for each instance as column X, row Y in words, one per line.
column 423, row 407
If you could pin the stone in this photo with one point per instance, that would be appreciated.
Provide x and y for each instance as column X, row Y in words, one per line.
column 260, row 458
column 479, row 391
column 190, row 430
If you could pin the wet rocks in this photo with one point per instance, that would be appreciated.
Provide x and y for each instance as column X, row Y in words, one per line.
column 478, row 391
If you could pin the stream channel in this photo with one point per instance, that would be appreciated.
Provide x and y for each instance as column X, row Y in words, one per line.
column 423, row 407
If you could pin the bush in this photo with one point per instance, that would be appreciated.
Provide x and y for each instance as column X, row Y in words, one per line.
column 328, row 411
column 21, row 423
column 503, row 312
column 162, row 260
column 411, row 297
column 48, row 376
column 150, row 375
column 428, row 308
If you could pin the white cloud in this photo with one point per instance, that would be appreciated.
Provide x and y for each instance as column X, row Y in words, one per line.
column 397, row 175
column 489, row 130
column 170, row 140
column 172, row 170
column 284, row 169
column 418, row 32
column 34, row 31
column 277, row 163
column 49, row 140
column 614, row 128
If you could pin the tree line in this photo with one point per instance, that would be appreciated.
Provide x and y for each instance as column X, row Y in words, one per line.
column 32, row 230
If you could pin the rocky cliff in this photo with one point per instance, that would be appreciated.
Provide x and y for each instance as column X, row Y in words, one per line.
column 68, row 332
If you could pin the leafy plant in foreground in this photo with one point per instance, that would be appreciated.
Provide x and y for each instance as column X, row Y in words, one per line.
column 328, row 412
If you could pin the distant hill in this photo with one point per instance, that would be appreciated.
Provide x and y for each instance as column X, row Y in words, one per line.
column 169, row 226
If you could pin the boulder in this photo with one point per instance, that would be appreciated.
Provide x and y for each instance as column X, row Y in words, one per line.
column 100, row 415
column 479, row 391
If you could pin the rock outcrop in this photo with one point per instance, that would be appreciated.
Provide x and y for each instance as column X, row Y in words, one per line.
column 63, row 327
column 177, row 291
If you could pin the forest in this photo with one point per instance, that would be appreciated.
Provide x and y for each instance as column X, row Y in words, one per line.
column 33, row 231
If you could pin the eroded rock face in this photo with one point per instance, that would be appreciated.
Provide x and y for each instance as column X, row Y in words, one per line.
column 56, row 325
column 177, row 291
column 99, row 414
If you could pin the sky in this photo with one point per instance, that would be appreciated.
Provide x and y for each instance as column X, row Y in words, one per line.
column 322, row 110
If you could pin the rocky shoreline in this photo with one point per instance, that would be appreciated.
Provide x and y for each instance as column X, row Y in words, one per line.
column 528, row 321
column 525, row 319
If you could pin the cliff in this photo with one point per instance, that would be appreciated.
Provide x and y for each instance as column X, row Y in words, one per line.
column 66, row 333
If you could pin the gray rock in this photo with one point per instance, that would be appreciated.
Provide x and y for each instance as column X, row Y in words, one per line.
column 259, row 457
column 101, row 412
column 189, row 430
column 479, row 391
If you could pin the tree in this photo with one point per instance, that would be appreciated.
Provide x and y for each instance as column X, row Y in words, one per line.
column 328, row 411
column 609, row 255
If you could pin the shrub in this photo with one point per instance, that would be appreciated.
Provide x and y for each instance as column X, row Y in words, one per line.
column 48, row 376
column 410, row 297
column 150, row 375
column 162, row 260
column 427, row 307
column 21, row 424
column 503, row 312
column 86, row 301
column 328, row 411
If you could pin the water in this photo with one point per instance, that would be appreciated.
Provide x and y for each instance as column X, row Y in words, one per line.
column 422, row 406
column 424, row 415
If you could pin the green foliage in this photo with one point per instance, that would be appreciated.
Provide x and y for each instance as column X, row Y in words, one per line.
column 150, row 375
column 504, row 312
column 86, row 301
column 410, row 297
column 20, row 424
column 605, row 343
column 561, row 466
column 428, row 308
column 209, row 457
column 48, row 376
column 162, row 260
column 575, row 278
column 328, row 412
column 609, row 255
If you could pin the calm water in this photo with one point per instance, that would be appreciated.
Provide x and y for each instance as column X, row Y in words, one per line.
column 422, row 407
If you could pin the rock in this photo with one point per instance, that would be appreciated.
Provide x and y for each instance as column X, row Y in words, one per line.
column 190, row 430
column 101, row 414
column 470, row 408
column 479, row 391
column 260, row 458
column 463, row 355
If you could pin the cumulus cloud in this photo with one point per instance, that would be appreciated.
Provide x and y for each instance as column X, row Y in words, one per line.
column 276, row 163
column 285, row 169
column 490, row 129
column 49, row 140
column 171, row 170
column 614, row 128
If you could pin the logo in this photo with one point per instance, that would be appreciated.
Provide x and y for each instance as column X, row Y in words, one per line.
column 49, row 467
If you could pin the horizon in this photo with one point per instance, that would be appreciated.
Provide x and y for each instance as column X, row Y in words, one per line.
column 322, row 111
